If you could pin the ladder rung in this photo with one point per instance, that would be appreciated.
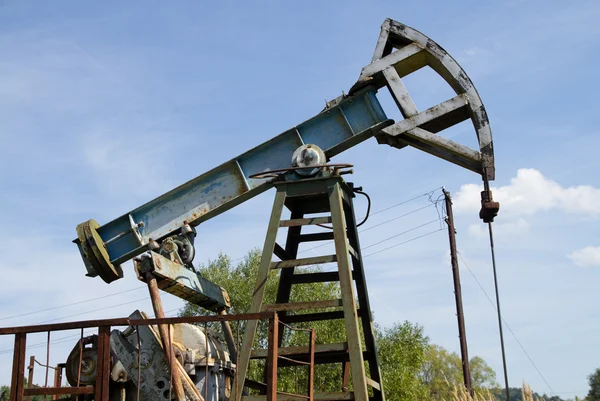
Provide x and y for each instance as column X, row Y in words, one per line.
column 303, row 262
column 305, row 222
column 312, row 317
column 293, row 395
column 315, row 317
column 294, row 361
column 288, row 351
column 329, row 303
column 255, row 385
column 319, row 277
column 326, row 236
column 373, row 384
column 342, row 396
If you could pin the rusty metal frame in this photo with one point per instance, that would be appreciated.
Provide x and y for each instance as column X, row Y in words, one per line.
column 101, row 387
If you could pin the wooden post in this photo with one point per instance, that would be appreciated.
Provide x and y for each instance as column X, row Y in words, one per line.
column 462, row 335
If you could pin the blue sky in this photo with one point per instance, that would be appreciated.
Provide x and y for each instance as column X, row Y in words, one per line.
column 104, row 106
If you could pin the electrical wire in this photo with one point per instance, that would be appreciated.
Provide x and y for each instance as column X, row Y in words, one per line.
column 366, row 195
column 406, row 201
column 71, row 304
column 399, row 234
column 95, row 310
column 371, row 227
column 506, row 324
column 402, row 243
column 356, row 191
column 428, row 194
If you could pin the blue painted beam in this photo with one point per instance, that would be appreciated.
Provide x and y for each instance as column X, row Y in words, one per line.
column 351, row 120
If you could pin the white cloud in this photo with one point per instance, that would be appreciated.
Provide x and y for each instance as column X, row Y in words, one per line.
column 530, row 192
column 588, row 256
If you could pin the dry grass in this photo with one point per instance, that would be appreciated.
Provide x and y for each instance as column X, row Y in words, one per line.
column 460, row 393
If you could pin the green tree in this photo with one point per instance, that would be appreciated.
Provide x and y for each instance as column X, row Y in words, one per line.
column 594, row 382
column 4, row 393
column 402, row 350
column 239, row 281
column 442, row 372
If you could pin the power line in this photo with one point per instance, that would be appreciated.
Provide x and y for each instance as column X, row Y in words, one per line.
column 506, row 324
column 428, row 194
column 399, row 234
column 368, row 228
column 396, row 218
column 71, row 304
column 95, row 310
column 405, row 242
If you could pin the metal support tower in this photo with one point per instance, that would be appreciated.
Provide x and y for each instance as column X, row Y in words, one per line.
column 310, row 196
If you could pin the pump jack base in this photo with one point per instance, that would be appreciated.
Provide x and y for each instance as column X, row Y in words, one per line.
column 95, row 252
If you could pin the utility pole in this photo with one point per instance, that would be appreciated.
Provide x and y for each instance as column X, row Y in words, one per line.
column 462, row 335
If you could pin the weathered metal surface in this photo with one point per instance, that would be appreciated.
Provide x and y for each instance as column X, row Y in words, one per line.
column 84, row 324
column 17, row 385
column 64, row 326
column 92, row 246
column 229, row 184
column 152, row 369
column 82, row 363
column 58, row 390
column 296, row 306
column 364, row 305
column 315, row 260
column 180, row 281
column 101, row 392
column 489, row 208
column 304, row 222
column 124, row 346
column 443, row 148
column 353, row 334
column 414, row 51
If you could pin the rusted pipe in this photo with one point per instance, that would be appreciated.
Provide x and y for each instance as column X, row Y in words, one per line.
column 228, row 336
column 164, row 335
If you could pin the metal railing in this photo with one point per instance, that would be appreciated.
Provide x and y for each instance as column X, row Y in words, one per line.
column 100, row 389
column 273, row 358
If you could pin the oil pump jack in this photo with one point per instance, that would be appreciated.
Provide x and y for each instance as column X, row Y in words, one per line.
column 159, row 235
